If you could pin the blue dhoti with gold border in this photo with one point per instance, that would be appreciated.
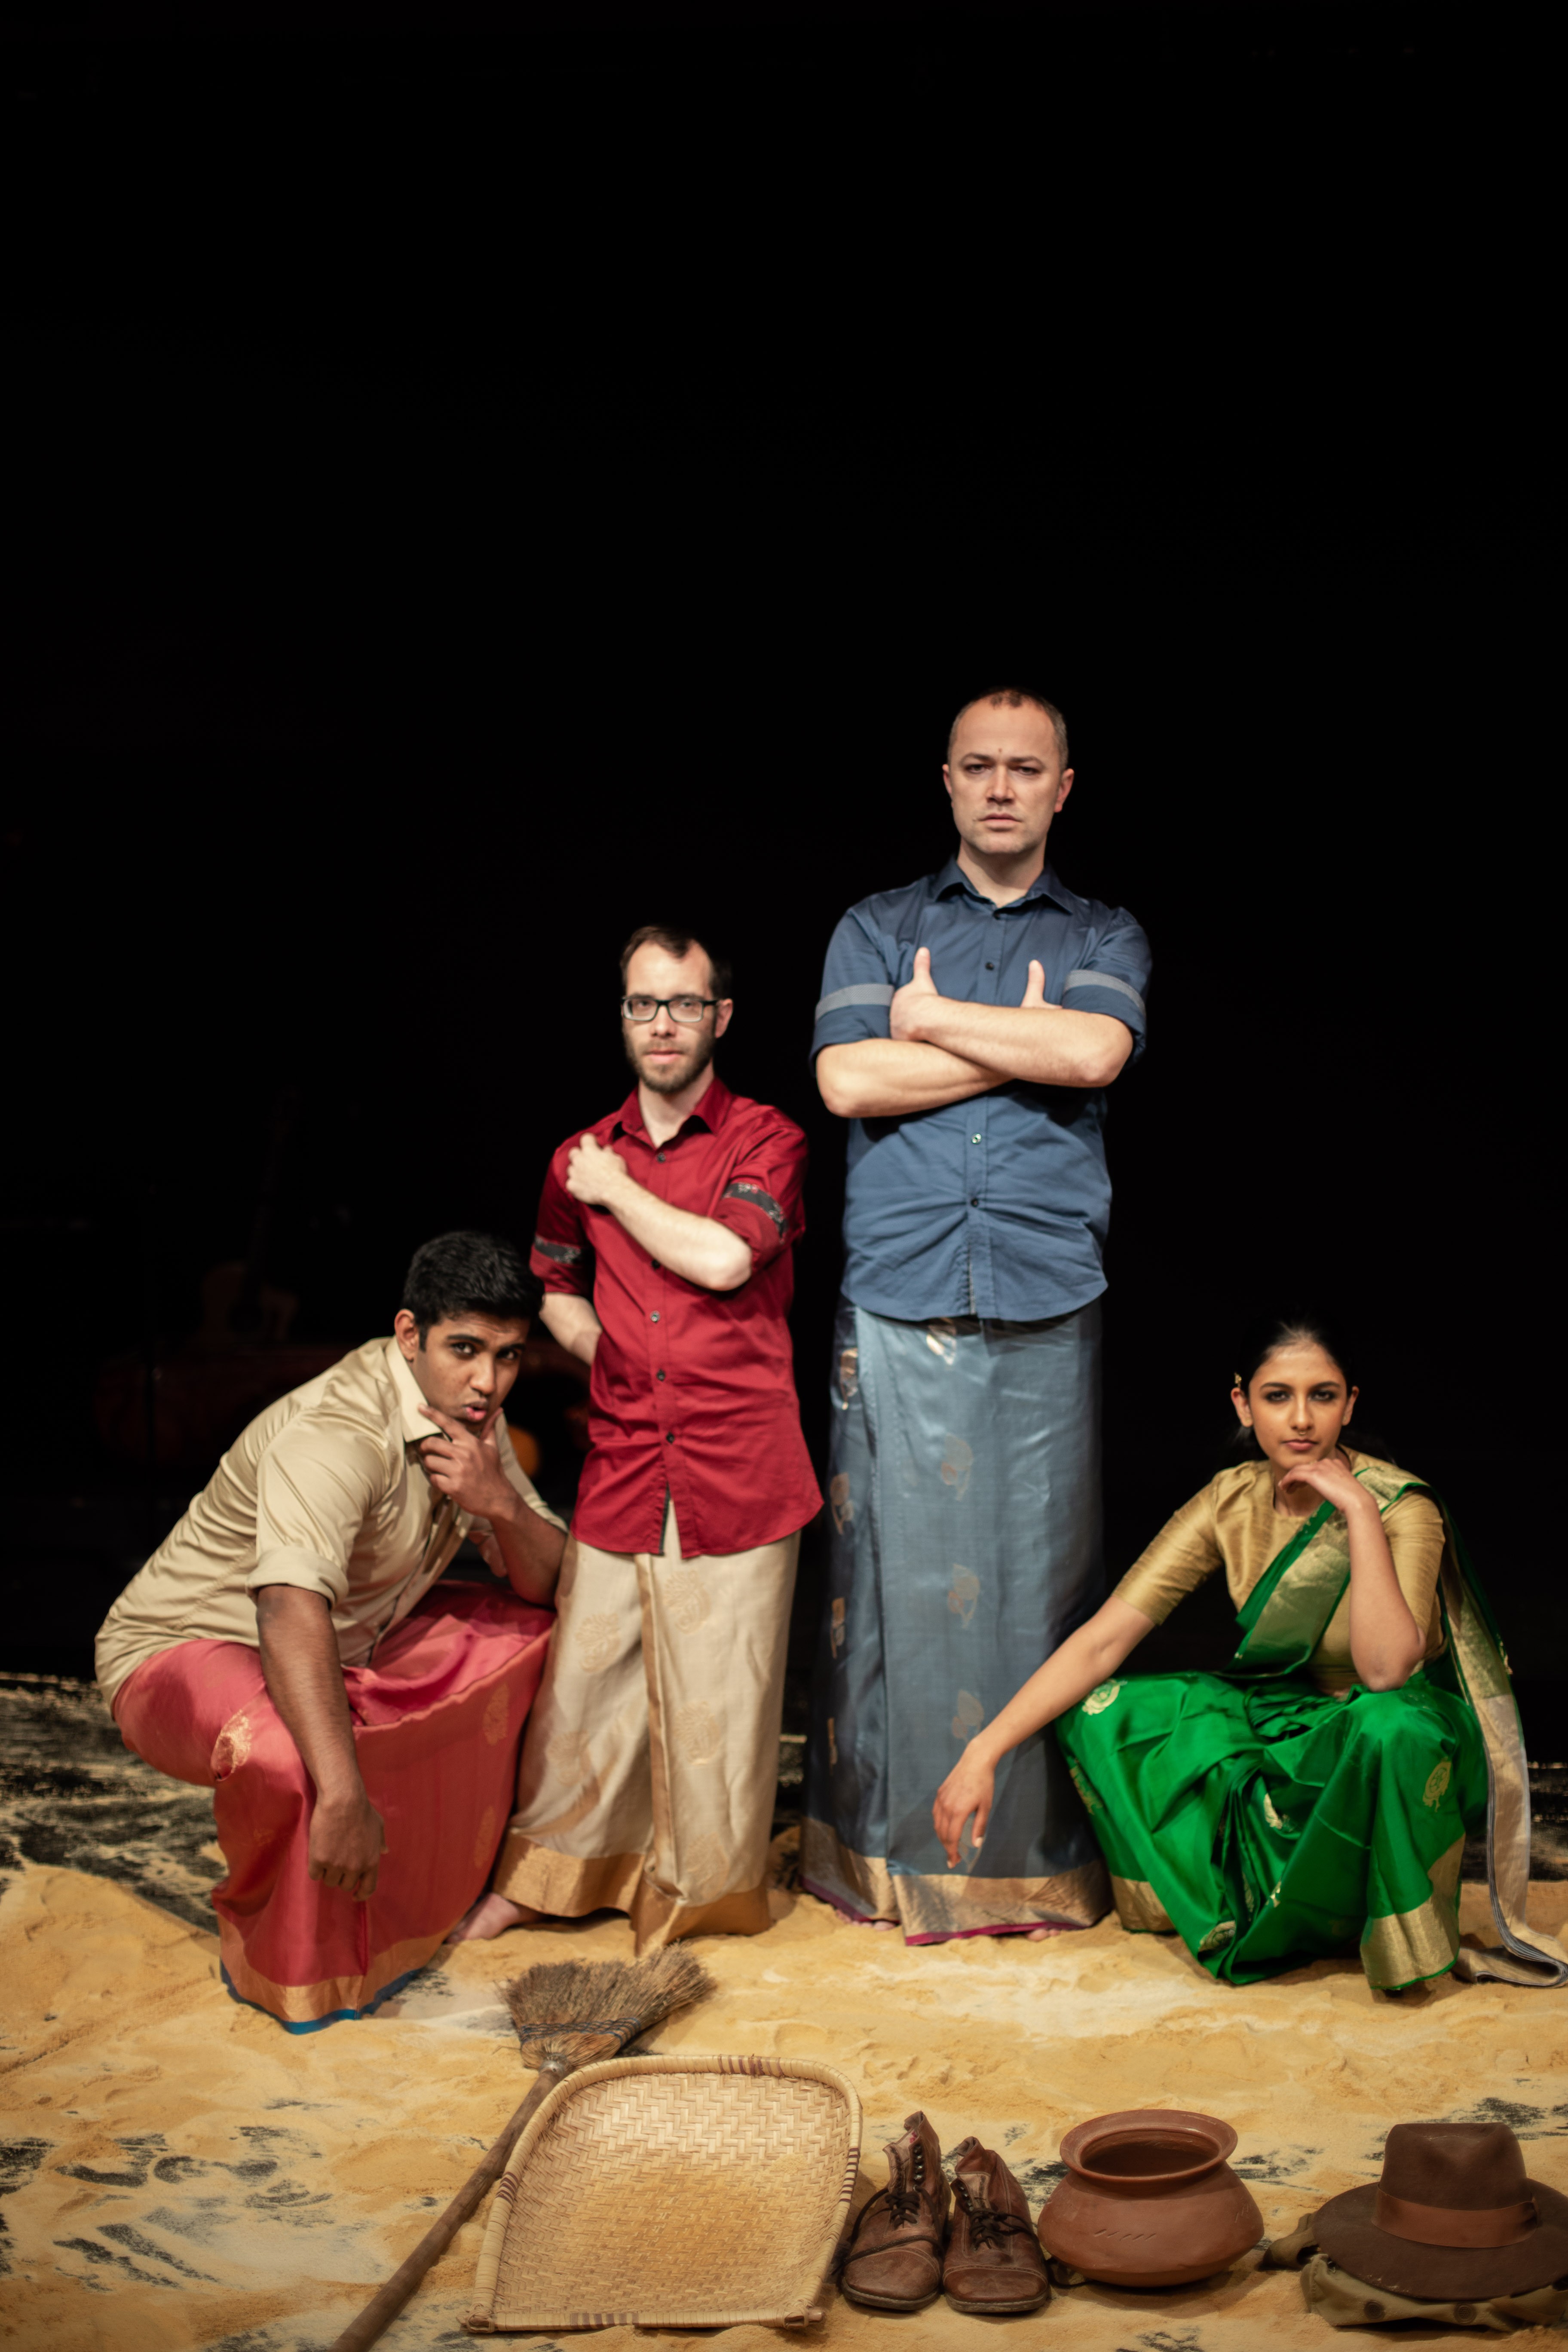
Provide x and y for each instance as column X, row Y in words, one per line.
column 965, row 1491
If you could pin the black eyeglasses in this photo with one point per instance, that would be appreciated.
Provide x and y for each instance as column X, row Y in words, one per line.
column 686, row 1010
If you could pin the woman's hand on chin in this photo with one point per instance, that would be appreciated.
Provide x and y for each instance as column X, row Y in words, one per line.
column 1328, row 1477
column 967, row 1789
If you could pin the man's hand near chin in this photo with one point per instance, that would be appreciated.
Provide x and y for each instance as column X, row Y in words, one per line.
column 465, row 1465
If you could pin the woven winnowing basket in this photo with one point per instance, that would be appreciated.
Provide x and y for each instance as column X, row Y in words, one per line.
column 672, row 2192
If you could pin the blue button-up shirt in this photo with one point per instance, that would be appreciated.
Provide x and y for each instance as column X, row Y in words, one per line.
column 997, row 1206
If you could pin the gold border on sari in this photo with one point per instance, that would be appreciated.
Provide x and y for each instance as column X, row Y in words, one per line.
column 1404, row 1946
column 1527, row 1956
column 1139, row 1909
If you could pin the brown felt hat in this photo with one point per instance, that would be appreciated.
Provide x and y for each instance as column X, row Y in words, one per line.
column 1454, row 2217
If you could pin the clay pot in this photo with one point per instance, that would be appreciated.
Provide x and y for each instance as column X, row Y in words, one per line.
column 1149, row 2200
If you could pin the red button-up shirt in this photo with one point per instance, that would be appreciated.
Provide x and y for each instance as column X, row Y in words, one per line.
column 693, row 1389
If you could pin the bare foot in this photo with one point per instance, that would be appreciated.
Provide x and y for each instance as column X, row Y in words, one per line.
column 492, row 1915
column 1039, row 1935
column 856, row 1919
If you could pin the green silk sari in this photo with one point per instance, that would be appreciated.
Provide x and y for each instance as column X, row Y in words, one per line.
column 1270, row 1822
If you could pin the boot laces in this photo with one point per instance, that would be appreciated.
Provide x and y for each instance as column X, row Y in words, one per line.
column 987, row 2225
column 903, row 2190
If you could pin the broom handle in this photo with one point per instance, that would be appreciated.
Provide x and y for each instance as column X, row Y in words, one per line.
column 388, row 2300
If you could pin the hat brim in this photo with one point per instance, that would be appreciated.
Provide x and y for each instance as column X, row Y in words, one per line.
column 1348, row 2235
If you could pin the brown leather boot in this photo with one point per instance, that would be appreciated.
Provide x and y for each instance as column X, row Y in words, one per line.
column 994, row 2260
column 894, row 2259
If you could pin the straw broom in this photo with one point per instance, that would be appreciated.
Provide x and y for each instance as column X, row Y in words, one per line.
column 567, row 2014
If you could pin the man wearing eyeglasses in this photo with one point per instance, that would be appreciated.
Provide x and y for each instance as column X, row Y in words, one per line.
column 646, row 1782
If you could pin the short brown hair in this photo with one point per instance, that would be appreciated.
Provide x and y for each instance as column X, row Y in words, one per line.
column 1014, row 697
column 677, row 942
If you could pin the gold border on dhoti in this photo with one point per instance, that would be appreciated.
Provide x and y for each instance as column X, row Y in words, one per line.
column 570, row 1887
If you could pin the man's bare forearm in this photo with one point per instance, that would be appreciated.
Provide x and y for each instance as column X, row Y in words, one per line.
column 892, row 1077
column 530, row 1551
column 571, row 1323
column 1042, row 1044
column 304, row 1679
column 698, row 1249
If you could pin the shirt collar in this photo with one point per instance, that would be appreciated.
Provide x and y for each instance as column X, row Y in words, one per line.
column 410, row 1397
column 1045, row 886
column 711, row 1113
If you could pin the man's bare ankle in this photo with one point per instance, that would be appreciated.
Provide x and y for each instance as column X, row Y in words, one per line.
column 492, row 1915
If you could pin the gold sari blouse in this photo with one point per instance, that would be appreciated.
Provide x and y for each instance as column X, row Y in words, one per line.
column 1233, row 1523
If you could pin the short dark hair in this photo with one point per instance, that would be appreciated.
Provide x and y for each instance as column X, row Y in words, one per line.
column 468, row 1274
column 1014, row 697
column 676, row 939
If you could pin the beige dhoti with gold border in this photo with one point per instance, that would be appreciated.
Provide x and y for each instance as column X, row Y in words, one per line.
column 651, row 1764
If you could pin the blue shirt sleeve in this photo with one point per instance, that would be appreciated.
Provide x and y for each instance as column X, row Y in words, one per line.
column 857, row 984
column 1112, row 976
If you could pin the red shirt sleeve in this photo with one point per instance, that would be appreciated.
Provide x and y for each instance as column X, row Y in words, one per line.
column 562, row 1255
column 762, row 1201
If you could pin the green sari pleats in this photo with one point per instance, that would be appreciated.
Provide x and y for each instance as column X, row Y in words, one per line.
column 1270, row 1823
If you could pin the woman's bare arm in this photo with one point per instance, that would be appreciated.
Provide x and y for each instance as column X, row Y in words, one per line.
column 1069, row 1674
column 1386, row 1643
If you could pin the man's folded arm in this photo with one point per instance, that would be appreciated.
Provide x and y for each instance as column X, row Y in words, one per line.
column 700, row 1249
column 763, row 1203
column 862, row 1071
column 892, row 1077
column 1086, row 1040
column 1036, row 1044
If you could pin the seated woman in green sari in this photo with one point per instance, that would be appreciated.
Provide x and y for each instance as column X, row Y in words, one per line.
column 1314, row 1796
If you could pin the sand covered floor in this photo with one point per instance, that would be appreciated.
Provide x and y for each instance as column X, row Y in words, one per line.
column 180, row 2173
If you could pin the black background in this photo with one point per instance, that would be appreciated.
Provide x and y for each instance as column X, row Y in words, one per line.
column 474, row 492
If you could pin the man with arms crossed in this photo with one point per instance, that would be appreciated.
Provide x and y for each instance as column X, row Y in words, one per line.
column 650, row 1766
column 969, row 1026
column 361, row 1746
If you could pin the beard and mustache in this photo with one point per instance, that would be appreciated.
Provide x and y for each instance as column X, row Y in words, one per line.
column 679, row 1074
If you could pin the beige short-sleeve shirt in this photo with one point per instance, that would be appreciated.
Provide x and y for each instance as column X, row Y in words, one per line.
column 1233, row 1523
column 325, row 1490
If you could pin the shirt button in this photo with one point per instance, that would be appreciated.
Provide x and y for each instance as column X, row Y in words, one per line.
column 671, row 1439
column 658, row 1155
column 655, row 1263
column 974, row 1203
column 658, row 1375
column 990, row 967
column 973, row 1138
column 654, row 1317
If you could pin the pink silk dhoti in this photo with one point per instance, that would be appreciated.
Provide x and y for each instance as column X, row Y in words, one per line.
column 437, row 1719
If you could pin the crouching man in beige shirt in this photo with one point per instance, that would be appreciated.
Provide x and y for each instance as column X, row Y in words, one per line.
column 284, row 1647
